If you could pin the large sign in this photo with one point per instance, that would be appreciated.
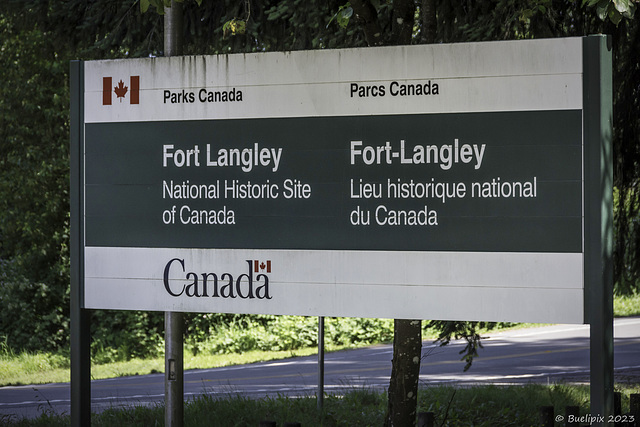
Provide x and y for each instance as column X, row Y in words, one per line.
column 440, row 182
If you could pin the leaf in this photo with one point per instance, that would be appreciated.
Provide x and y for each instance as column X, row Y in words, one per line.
column 344, row 15
column 234, row 27
column 120, row 90
column 241, row 27
column 144, row 5
column 615, row 16
column 526, row 15
column 621, row 6
column 602, row 9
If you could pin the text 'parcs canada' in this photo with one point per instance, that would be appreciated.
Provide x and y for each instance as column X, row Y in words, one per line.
column 360, row 90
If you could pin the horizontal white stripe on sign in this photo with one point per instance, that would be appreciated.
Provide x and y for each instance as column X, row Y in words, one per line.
column 533, row 287
column 496, row 76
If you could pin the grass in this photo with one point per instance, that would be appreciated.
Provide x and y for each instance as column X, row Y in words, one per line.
column 30, row 368
column 626, row 305
column 475, row 406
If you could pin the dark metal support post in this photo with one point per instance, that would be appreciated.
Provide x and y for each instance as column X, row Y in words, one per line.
column 320, row 363
column 174, row 370
column 173, row 321
column 598, row 246
column 80, row 337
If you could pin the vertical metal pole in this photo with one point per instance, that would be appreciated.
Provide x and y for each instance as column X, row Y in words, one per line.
column 80, row 337
column 174, row 375
column 598, row 234
column 173, row 35
column 173, row 321
column 320, row 363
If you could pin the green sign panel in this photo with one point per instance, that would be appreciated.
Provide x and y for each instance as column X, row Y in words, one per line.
column 505, row 181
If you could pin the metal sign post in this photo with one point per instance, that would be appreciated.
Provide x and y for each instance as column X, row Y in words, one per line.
column 80, row 338
column 598, row 117
column 320, row 363
column 173, row 321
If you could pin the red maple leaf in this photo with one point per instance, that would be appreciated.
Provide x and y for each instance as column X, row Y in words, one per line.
column 121, row 90
column 262, row 266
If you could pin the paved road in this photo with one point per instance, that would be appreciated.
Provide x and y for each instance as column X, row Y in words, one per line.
column 550, row 354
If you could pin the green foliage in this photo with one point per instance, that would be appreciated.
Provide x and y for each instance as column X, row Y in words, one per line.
column 504, row 20
column 469, row 331
column 33, row 156
column 475, row 406
column 276, row 333
column 343, row 15
column 90, row 30
column 354, row 409
column 498, row 406
column 32, row 314
column 614, row 10
column 34, row 176
column 626, row 150
column 350, row 331
column 627, row 235
column 627, row 305
column 123, row 335
column 234, row 26
column 31, row 364
column 158, row 4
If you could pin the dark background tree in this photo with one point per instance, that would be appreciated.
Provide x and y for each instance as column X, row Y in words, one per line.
column 34, row 206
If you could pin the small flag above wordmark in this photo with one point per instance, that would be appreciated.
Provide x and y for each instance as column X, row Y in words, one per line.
column 261, row 266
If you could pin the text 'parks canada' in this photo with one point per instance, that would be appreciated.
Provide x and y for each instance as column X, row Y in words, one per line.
column 204, row 95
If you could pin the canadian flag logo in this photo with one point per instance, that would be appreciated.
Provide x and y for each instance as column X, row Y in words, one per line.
column 261, row 266
column 121, row 90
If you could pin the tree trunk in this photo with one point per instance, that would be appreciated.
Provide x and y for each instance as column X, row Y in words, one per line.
column 405, row 373
column 407, row 334
column 428, row 18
